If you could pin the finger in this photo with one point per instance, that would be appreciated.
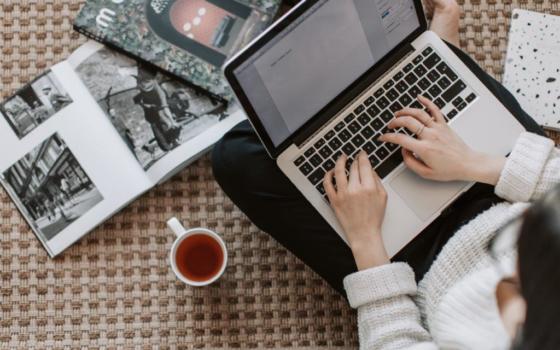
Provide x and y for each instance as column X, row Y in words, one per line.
column 412, row 124
column 354, row 177
column 419, row 114
column 434, row 110
column 366, row 171
column 340, row 173
column 415, row 164
column 328, row 185
column 402, row 140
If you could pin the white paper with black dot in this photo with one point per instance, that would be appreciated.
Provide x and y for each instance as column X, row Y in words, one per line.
column 532, row 71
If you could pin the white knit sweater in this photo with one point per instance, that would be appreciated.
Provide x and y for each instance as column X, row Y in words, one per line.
column 445, row 309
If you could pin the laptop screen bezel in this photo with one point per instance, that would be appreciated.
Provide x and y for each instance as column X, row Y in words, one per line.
column 327, row 111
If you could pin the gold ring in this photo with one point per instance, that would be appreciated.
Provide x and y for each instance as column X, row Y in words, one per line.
column 420, row 130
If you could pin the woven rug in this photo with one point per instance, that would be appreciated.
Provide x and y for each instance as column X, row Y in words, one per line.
column 114, row 288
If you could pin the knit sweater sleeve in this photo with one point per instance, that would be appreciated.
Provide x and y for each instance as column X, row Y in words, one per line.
column 388, row 318
column 532, row 169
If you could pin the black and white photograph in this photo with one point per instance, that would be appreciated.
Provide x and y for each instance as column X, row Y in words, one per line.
column 51, row 187
column 35, row 103
column 152, row 112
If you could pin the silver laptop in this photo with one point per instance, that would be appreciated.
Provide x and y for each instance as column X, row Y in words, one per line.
column 326, row 78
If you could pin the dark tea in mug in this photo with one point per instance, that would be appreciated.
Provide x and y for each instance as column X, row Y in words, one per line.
column 199, row 257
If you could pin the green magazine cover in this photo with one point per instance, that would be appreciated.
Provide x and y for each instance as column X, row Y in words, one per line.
column 191, row 39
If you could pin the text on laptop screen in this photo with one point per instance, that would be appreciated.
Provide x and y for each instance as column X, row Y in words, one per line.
column 318, row 56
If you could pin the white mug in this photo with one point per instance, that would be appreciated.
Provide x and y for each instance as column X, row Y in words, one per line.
column 175, row 225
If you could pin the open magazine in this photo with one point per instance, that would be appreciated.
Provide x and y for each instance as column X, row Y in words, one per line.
column 95, row 132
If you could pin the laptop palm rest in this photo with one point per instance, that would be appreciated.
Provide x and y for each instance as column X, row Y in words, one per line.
column 424, row 197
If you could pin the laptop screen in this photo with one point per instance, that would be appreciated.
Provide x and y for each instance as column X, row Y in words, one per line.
column 311, row 62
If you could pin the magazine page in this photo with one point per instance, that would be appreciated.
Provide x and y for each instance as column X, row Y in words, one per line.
column 190, row 39
column 66, row 169
column 163, row 122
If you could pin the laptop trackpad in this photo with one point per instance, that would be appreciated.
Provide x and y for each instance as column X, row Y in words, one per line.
column 424, row 197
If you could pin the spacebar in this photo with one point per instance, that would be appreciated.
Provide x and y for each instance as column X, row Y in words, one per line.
column 390, row 164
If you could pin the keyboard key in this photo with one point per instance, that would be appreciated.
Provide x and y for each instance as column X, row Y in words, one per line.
column 382, row 153
column 329, row 135
column 452, row 114
column 455, row 89
column 398, row 76
column 309, row 152
column 358, row 141
column 427, row 51
column 424, row 84
column 417, row 59
column 416, row 105
column 349, row 118
column 373, row 111
column 321, row 188
column 335, row 143
column 376, row 141
column 439, row 102
column 462, row 106
column 432, row 60
column 433, row 75
column 420, row 71
column 386, row 116
column 359, row 109
column 364, row 119
column 444, row 83
column 414, row 91
column 456, row 102
column 339, row 126
column 379, row 93
column 354, row 127
column 377, row 124
column 411, row 79
column 444, row 69
column 395, row 107
column 434, row 91
column 306, row 168
column 299, row 161
column 325, row 152
column 328, row 165
column 319, row 144
column 348, row 149
column 392, row 94
column 382, row 102
column 388, row 85
column 369, row 148
column 373, row 160
column 317, row 176
column 369, row 101
column 471, row 98
column 405, row 100
column 389, row 165
column 408, row 68
column 391, row 146
column 402, row 86
column 315, row 160
column 344, row 135
column 336, row 155
column 367, row 132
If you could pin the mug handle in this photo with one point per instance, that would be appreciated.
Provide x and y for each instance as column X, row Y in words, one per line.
column 175, row 225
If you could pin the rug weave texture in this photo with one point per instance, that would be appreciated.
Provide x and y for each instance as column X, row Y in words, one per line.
column 114, row 289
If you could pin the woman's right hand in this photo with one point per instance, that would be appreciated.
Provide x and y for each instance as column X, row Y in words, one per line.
column 438, row 153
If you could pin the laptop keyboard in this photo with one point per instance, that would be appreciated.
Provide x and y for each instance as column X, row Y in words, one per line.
column 426, row 74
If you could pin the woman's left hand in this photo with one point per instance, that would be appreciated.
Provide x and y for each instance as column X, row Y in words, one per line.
column 359, row 202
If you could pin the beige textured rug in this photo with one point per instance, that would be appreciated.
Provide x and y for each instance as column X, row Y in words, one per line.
column 114, row 288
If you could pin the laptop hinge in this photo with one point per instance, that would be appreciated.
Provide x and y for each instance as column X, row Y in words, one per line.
column 353, row 93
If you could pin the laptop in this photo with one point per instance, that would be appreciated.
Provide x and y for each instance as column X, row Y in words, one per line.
column 327, row 77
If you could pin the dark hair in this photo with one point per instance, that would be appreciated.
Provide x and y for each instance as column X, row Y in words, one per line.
column 539, row 272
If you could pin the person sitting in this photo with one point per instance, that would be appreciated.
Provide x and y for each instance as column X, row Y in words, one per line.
column 447, row 288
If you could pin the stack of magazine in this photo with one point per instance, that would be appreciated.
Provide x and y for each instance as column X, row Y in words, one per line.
column 98, row 130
